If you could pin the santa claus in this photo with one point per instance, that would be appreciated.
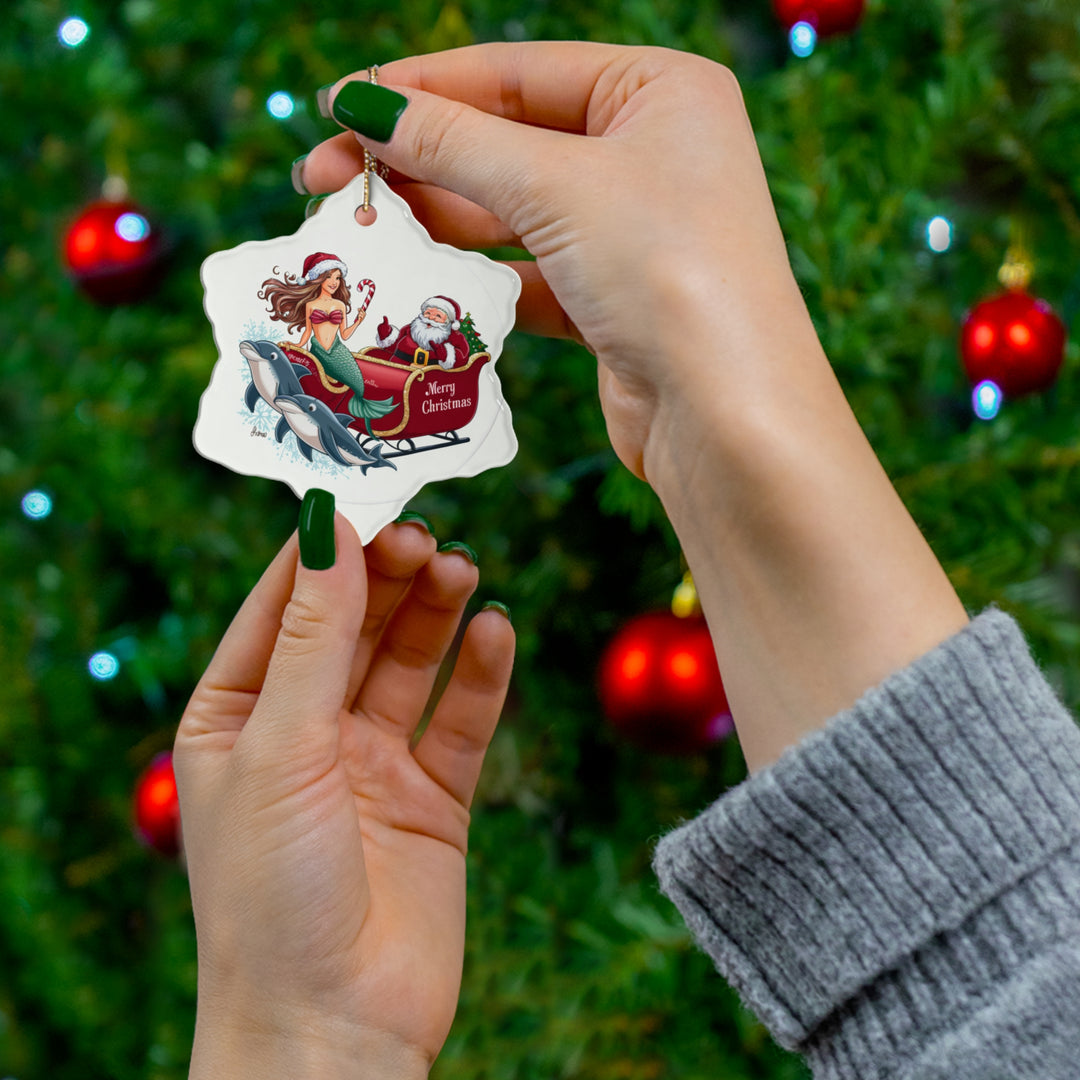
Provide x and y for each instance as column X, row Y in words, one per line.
column 435, row 334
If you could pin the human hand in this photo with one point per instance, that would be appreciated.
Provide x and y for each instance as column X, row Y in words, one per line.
column 385, row 327
column 633, row 176
column 327, row 854
column 655, row 238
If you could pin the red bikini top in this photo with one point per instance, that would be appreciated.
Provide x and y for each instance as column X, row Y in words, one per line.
column 335, row 317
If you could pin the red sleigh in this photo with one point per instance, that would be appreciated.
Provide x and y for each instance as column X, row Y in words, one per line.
column 431, row 402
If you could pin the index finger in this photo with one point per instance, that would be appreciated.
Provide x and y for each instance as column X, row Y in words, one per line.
column 545, row 83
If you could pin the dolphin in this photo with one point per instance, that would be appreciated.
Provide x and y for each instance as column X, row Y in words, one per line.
column 317, row 427
column 272, row 376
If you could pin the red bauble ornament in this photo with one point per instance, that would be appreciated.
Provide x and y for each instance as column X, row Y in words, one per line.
column 1015, row 340
column 825, row 16
column 113, row 252
column 157, row 808
column 660, row 684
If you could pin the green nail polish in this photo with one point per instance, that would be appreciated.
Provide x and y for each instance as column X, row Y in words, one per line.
column 322, row 100
column 371, row 110
column 296, row 174
column 412, row 516
column 461, row 548
column 313, row 205
column 317, row 530
column 503, row 610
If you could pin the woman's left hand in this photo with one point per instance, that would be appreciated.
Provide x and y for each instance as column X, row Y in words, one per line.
column 327, row 852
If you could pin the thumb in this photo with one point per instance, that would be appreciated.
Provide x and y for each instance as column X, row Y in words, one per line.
column 491, row 161
column 296, row 716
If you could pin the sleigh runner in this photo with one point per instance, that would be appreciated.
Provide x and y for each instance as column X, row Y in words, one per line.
column 430, row 402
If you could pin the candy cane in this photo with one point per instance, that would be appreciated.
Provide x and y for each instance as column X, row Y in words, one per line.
column 370, row 293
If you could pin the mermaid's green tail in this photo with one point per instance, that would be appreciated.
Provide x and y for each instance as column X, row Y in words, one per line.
column 340, row 364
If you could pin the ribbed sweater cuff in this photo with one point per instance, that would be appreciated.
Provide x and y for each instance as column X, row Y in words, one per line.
column 923, row 841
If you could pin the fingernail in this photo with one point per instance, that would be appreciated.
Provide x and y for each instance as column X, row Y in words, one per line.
column 502, row 609
column 322, row 100
column 313, row 205
column 369, row 109
column 317, row 530
column 412, row 516
column 461, row 548
column 296, row 174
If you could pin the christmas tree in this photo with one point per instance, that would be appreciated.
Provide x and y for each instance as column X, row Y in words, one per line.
column 476, row 343
column 905, row 157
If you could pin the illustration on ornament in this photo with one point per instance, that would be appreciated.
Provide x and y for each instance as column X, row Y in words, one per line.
column 411, row 391
column 347, row 351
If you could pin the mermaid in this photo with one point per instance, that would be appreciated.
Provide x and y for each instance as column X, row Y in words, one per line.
column 318, row 301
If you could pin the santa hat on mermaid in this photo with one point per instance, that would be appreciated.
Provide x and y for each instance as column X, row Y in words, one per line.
column 444, row 303
column 319, row 263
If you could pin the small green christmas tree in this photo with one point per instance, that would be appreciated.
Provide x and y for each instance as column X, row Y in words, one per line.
column 468, row 328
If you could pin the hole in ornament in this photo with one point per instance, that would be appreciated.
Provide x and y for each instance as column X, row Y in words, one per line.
column 365, row 217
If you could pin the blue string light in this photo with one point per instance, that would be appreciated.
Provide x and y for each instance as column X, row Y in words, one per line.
column 132, row 227
column 986, row 399
column 36, row 505
column 280, row 105
column 939, row 234
column 803, row 39
column 103, row 666
column 73, row 32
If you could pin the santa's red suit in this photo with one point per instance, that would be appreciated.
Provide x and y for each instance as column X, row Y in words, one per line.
column 424, row 340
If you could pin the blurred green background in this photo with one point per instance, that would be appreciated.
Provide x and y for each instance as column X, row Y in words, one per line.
column 576, row 965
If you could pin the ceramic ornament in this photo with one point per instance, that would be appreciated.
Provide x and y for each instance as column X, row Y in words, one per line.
column 357, row 358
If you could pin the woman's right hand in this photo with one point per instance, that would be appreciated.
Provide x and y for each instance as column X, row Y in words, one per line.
column 633, row 177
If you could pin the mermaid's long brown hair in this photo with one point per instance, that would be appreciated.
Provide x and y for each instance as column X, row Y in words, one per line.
column 288, row 297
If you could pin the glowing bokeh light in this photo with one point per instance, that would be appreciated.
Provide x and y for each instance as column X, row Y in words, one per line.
column 36, row 505
column 73, row 32
column 683, row 665
column 160, row 791
column 939, row 234
column 103, row 666
column 132, row 227
column 280, row 105
column 986, row 400
column 84, row 241
column 634, row 664
column 1019, row 335
column 803, row 39
column 720, row 726
column 982, row 337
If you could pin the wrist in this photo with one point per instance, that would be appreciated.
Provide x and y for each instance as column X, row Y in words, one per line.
column 726, row 399
column 318, row 1048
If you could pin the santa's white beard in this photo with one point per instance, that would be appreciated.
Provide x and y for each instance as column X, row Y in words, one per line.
column 427, row 333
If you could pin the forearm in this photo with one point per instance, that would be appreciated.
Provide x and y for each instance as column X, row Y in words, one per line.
column 815, row 579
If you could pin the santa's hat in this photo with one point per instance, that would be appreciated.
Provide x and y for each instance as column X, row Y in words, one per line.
column 319, row 263
column 444, row 303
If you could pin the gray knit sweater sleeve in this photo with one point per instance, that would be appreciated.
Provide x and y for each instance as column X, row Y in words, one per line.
column 899, row 896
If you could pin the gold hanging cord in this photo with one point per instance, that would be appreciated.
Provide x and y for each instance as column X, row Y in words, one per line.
column 370, row 161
